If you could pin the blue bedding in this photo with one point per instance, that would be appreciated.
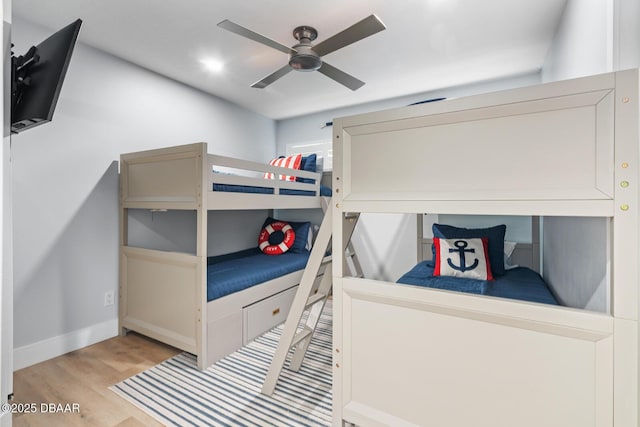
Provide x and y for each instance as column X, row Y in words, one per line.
column 234, row 272
column 324, row 190
column 520, row 283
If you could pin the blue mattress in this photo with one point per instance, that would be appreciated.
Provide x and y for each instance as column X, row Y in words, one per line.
column 234, row 272
column 519, row 283
column 324, row 190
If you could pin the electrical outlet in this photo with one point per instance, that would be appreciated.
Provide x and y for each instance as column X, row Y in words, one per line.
column 108, row 298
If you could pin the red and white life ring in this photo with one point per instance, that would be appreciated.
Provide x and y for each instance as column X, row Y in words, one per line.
column 276, row 248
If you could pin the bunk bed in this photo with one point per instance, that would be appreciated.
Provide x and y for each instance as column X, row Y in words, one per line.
column 209, row 305
column 566, row 152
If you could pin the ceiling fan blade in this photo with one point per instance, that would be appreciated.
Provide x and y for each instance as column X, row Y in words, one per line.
column 245, row 32
column 358, row 31
column 272, row 77
column 340, row 76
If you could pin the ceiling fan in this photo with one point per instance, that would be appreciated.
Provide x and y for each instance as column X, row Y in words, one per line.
column 304, row 56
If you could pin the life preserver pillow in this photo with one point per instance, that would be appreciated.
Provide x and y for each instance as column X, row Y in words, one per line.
column 276, row 238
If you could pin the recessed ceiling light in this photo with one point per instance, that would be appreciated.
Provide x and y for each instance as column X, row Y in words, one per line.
column 212, row 65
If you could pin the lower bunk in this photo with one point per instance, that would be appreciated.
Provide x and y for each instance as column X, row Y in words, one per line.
column 519, row 283
column 248, row 293
column 414, row 356
column 467, row 338
column 163, row 296
column 479, row 261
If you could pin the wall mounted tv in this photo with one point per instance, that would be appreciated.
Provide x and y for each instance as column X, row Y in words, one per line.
column 37, row 78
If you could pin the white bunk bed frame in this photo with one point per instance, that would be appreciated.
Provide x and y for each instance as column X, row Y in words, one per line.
column 164, row 294
column 405, row 355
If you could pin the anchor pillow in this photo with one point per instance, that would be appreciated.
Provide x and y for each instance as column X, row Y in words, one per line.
column 495, row 235
column 462, row 258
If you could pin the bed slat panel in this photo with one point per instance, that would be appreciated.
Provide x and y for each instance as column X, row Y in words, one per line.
column 536, row 152
column 470, row 369
column 255, row 201
column 170, row 176
column 170, row 281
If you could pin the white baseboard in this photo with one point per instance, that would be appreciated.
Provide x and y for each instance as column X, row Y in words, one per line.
column 52, row 347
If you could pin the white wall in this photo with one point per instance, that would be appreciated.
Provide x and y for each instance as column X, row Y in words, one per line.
column 66, row 186
column 583, row 44
column 580, row 279
column 626, row 33
column 175, row 231
column 385, row 243
column 594, row 36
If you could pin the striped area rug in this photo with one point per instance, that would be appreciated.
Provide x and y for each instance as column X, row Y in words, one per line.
column 227, row 393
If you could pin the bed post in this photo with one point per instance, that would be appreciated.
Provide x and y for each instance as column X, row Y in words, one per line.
column 626, row 246
column 420, row 235
column 535, row 244
column 124, row 241
column 337, row 268
column 201, row 253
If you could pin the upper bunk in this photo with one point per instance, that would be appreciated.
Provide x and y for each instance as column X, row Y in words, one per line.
column 568, row 149
column 187, row 177
column 564, row 148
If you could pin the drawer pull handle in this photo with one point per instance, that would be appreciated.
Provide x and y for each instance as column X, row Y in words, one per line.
column 275, row 312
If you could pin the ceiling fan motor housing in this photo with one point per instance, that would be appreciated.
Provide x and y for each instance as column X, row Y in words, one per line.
column 304, row 58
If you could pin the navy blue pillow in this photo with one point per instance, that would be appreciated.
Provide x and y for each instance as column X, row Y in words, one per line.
column 308, row 163
column 302, row 234
column 495, row 235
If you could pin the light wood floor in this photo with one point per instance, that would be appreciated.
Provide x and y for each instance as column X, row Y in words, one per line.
column 82, row 377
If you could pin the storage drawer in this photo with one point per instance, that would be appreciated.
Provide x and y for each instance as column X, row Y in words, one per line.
column 264, row 315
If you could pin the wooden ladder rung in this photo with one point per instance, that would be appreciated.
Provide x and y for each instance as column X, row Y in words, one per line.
column 306, row 332
column 314, row 299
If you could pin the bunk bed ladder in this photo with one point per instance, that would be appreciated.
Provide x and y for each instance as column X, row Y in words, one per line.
column 306, row 300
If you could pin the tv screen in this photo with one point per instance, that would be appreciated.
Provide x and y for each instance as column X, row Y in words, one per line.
column 37, row 78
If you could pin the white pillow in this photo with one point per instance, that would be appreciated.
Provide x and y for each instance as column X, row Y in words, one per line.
column 509, row 247
column 309, row 244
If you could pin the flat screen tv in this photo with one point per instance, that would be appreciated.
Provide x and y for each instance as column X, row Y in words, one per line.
column 37, row 78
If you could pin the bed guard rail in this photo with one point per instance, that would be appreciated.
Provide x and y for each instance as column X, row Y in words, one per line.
column 232, row 171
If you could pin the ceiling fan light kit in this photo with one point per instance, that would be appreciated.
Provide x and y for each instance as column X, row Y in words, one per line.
column 306, row 57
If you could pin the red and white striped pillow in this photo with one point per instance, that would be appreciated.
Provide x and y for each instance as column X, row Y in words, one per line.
column 292, row 162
